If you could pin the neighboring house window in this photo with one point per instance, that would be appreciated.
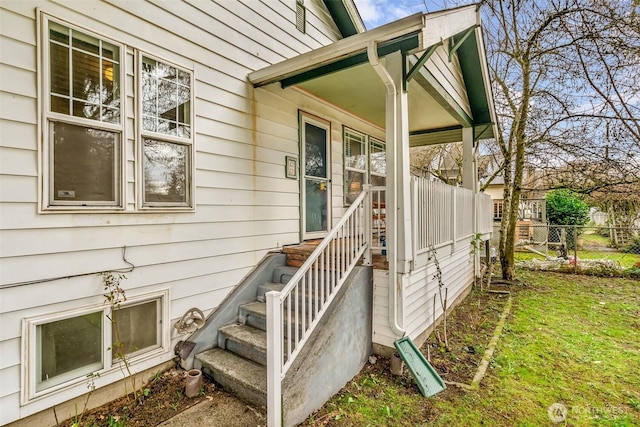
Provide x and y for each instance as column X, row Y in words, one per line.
column 166, row 134
column 301, row 16
column 68, row 347
column 83, row 119
column 497, row 210
column 365, row 162
column 84, row 154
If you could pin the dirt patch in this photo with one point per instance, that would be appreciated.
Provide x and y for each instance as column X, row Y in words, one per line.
column 469, row 330
column 162, row 399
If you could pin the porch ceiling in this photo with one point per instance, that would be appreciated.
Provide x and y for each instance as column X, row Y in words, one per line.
column 341, row 74
column 360, row 91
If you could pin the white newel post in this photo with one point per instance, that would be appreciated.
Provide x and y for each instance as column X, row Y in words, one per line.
column 274, row 360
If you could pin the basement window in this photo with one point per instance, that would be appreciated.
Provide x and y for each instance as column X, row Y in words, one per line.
column 64, row 349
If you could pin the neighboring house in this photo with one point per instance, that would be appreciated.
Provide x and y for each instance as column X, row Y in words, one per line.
column 532, row 207
column 181, row 142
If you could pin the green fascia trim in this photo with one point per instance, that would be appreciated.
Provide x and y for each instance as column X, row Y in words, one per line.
column 423, row 59
column 459, row 41
column 440, row 94
column 474, row 83
column 341, row 17
column 478, row 135
column 436, row 130
column 404, row 44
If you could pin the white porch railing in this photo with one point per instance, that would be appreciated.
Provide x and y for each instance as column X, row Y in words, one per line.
column 484, row 209
column 293, row 313
column 442, row 214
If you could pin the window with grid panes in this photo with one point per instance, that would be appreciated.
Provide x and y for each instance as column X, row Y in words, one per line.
column 83, row 119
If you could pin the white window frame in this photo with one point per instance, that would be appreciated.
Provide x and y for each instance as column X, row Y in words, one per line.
column 143, row 134
column 109, row 365
column 49, row 117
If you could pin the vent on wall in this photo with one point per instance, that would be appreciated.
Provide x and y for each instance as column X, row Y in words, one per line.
column 301, row 18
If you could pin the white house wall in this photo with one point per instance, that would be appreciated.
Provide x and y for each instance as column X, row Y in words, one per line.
column 244, row 204
column 418, row 292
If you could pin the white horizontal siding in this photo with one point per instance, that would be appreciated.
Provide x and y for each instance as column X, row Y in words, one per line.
column 449, row 74
column 10, row 408
column 16, row 161
column 18, row 108
column 418, row 294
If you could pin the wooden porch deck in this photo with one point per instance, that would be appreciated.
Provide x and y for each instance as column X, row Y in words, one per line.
column 298, row 254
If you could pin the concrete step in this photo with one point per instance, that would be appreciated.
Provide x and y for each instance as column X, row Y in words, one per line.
column 253, row 314
column 245, row 378
column 282, row 274
column 267, row 287
column 244, row 340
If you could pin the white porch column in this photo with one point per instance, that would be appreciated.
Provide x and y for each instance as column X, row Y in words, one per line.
column 401, row 166
column 469, row 169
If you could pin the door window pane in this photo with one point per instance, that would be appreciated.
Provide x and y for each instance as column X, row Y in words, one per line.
column 85, row 164
column 315, row 151
column 165, row 172
column 316, row 205
column 68, row 349
column 135, row 329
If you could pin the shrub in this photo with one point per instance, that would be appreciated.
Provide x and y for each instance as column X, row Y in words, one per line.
column 565, row 207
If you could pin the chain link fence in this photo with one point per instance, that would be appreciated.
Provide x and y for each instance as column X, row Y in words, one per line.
column 608, row 251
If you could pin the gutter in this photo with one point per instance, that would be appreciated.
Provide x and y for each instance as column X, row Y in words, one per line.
column 392, row 244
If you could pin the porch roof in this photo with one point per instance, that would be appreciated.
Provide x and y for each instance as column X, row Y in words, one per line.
column 341, row 74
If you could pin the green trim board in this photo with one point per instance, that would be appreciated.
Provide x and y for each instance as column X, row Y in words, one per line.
column 428, row 380
column 423, row 59
column 341, row 17
column 458, row 41
column 403, row 44
column 474, row 83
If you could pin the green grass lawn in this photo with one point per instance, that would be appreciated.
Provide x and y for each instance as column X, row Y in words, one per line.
column 569, row 340
column 573, row 340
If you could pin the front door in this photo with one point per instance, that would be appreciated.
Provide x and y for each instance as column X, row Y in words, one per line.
column 315, row 186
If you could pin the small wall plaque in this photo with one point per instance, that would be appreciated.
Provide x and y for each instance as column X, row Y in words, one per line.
column 291, row 167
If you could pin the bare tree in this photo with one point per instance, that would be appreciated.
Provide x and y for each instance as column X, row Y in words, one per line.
column 561, row 70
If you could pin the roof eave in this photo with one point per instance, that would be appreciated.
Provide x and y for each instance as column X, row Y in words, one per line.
column 346, row 16
column 335, row 51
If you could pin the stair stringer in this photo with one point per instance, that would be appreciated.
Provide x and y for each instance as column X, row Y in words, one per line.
column 336, row 351
column 227, row 312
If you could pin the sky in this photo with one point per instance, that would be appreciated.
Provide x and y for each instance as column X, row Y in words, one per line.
column 378, row 12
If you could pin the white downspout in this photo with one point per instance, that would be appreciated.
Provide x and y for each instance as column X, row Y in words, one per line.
column 392, row 217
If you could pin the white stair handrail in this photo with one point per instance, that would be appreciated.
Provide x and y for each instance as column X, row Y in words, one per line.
column 299, row 306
